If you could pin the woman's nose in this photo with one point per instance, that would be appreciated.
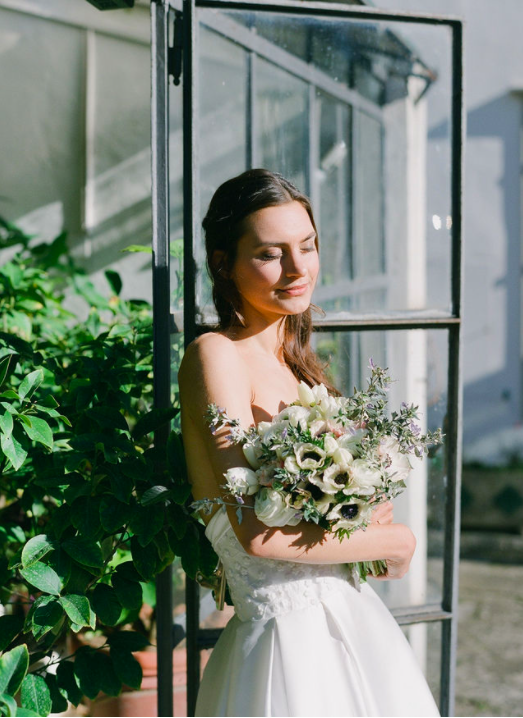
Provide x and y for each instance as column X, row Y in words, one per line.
column 295, row 265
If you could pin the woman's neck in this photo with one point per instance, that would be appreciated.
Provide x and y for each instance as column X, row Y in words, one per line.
column 262, row 335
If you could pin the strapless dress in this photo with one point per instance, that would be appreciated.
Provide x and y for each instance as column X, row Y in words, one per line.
column 306, row 640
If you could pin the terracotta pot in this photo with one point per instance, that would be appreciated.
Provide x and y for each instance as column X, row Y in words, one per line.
column 144, row 702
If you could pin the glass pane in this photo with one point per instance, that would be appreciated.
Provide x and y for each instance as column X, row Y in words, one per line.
column 280, row 111
column 346, row 110
column 417, row 362
column 222, row 127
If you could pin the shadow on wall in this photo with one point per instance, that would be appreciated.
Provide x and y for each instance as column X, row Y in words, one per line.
column 492, row 281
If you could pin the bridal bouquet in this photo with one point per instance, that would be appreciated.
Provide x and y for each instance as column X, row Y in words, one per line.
column 325, row 459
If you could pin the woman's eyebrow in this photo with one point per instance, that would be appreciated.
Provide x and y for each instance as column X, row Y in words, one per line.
column 312, row 235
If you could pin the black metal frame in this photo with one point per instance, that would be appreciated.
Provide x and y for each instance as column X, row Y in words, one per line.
column 446, row 613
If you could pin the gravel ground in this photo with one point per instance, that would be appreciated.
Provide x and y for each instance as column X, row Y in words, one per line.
column 489, row 679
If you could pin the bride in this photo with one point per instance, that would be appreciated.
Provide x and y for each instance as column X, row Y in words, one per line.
column 306, row 639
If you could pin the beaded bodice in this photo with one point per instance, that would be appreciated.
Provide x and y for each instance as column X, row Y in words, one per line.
column 262, row 588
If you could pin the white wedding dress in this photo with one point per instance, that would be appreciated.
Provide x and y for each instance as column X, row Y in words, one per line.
column 306, row 640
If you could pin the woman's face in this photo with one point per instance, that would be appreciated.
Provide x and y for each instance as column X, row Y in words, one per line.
column 277, row 261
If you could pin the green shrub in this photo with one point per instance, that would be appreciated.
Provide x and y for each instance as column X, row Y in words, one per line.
column 90, row 509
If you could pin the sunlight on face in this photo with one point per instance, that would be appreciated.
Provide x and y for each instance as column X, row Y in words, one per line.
column 277, row 261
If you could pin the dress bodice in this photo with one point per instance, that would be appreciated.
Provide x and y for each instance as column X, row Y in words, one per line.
column 261, row 587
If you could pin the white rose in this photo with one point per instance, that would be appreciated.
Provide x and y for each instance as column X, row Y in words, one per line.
column 365, row 478
column 306, row 395
column 329, row 407
column 272, row 430
column 400, row 465
column 271, row 509
column 241, row 480
column 251, row 454
column 318, row 426
column 263, row 427
column 309, row 456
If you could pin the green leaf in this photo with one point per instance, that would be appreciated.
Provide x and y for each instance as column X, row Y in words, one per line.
column 106, row 604
column 6, row 423
column 83, row 550
column 36, row 548
column 39, row 431
column 176, row 459
column 67, row 682
column 9, row 703
column 130, row 641
column 13, row 667
column 26, row 713
column 42, row 577
column 110, row 684
column 36, row 695
column 152, row 420
column 138, row 248
column 121, row 484
column 10, row 627
column 87, row 671
column 154, row 495
column 13, row 450
column 127, row 668
column 9, row 394
column 58, row 699
column 108, row 417
column 115, row 281
column 61, row 563
column 78, row 609
column 113, row 513
column 145, row 559
column 4, row 367
column 129, row 593
column 31, row 382
column 46, row 615
column 146, row 521
column 127, row 570
column 85, row 516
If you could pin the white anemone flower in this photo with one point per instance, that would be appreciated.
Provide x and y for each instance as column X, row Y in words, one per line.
column 295, row 415
column 350, row 515
column 309, row 456
column 342, row 457
column 330, row 445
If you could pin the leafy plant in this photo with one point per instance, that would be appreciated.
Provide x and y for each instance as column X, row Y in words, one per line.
column 91, row 510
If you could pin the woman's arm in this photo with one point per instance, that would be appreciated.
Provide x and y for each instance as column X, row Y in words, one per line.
column 213, row 371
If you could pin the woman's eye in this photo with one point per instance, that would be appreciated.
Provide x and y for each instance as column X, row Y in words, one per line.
column 309, row 248
column 268, row 257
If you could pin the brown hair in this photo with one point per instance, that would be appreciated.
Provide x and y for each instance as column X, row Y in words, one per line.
column 232, row 202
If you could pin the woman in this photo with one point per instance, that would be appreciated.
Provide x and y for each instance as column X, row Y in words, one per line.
column 306, row 640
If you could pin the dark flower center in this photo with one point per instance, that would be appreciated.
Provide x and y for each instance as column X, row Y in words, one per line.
column 340, row 479
column 311, row 455
column 349, row 511
column 315, row 491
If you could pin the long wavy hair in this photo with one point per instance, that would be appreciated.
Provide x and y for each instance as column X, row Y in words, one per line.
column 223, row 226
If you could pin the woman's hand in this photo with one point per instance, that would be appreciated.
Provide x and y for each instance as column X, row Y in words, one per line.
column 383, row 514
column 398, row 566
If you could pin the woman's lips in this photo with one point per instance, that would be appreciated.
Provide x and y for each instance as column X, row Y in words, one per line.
column 295, row 290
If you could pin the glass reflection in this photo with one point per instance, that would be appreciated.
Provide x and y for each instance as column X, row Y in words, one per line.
column 417, row 362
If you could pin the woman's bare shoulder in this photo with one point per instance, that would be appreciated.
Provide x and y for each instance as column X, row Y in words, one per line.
column 210, row 351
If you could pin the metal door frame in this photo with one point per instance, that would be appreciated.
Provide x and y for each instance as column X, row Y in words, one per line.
column 162, row 67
